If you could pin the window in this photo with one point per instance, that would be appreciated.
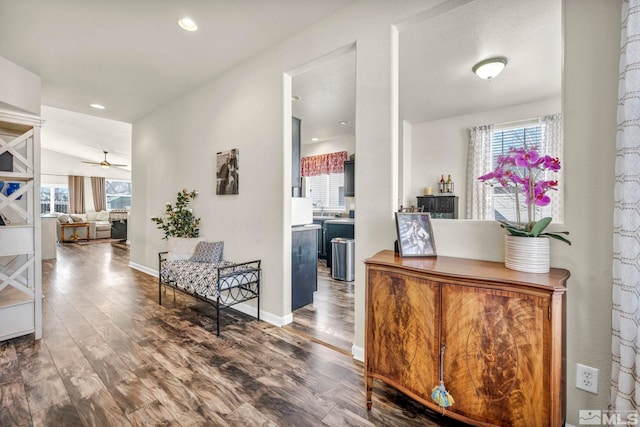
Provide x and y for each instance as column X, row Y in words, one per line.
column 54, row 198
column 326, row 191
column 118, row 194
column 487, row 142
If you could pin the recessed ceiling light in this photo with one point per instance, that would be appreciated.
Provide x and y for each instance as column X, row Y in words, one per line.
column 97, row 106
column 490, row 68
column 343, row 122
column 187, row 24
column 315, row 139
column 296, row 98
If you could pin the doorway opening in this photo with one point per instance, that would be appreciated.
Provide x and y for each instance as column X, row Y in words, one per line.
column 323, row 109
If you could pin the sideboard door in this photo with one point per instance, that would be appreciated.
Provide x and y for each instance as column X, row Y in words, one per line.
column 403, row 331
column 496, row 362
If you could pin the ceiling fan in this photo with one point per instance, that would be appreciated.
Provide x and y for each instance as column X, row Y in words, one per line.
column 105, row 164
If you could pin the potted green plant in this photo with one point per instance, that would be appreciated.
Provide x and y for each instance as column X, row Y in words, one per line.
column 178, row 220
column 523, row 173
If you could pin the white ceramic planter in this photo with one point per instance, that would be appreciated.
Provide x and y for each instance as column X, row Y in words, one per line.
column 528, row 254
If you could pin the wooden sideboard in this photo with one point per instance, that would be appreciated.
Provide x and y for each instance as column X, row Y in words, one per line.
column 503, row 333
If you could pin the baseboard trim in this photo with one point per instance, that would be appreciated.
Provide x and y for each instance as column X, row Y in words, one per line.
column 144, row 269
column 266, row 316
column 358, row 353
column 242, row 307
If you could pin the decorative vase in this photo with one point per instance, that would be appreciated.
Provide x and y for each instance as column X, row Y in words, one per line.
column 527, row 254
column 12, row 187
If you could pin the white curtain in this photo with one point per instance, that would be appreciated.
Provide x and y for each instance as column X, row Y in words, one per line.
column 479, row 195
column 625, row 346
column 552, row 143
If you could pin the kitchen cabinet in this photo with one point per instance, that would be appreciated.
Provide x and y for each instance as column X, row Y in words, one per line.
column 322, row 252
column 440, row 206
column 343, row 227
column 304, row 265
column 502, row 332
column 350, row 178
column 20, row 239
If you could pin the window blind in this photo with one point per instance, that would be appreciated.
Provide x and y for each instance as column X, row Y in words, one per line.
column 327, row 190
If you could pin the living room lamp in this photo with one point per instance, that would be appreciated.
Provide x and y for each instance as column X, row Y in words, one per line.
column 490, row 68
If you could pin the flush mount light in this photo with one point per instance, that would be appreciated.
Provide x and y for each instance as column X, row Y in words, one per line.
column 343, row 122
column 187, row 24
column 97, row 106
column 490, row 68
column 315, row 139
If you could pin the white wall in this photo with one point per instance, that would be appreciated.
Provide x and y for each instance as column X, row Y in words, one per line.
column 246, row 108
column 592, row 55
column 19, row 88
column 344, row 143
column 441, row 146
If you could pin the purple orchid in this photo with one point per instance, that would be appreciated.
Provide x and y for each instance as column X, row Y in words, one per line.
column 518, row 172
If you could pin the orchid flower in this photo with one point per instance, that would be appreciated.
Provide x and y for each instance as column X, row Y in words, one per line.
column 519, row 170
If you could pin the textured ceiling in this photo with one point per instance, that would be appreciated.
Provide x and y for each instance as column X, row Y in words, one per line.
column 436, row 57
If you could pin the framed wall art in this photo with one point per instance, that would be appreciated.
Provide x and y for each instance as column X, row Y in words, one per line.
column 227, row 172
column 415, row 235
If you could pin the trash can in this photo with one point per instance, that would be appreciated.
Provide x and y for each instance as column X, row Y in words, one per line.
column 342, row 259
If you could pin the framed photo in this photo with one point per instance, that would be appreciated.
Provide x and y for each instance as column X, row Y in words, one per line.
column 415, row 235
column 227, row 172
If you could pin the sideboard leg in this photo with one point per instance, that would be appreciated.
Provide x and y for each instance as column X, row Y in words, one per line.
column 369, row 381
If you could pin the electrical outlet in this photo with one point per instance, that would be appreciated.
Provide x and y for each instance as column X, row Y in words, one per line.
column 587, row 378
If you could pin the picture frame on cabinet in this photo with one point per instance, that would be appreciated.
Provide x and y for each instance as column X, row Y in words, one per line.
column 415, row 235
column 227, row 172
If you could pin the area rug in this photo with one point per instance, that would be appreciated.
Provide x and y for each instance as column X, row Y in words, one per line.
column 94, row 241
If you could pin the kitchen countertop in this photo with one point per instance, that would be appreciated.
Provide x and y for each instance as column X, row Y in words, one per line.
column 305, row 227
column 341, row 221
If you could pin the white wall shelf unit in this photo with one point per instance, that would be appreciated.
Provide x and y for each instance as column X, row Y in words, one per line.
column 20, row 237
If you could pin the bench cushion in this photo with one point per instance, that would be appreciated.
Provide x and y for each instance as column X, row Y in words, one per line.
column 201, row 277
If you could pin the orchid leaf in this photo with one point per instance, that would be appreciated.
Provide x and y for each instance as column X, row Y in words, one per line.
column 557, row 237
column 539, row 226
column 515, row 232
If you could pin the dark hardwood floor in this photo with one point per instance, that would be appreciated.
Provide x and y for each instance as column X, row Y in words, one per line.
column 329, row 319
column 111, row 356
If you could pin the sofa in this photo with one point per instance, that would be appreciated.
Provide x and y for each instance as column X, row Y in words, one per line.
column 99, row 225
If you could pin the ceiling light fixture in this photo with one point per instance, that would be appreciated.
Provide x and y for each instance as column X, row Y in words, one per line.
column 187, row 24
column 315, row 139
column 97, row 106
column 490, row 68
column 343, row 122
